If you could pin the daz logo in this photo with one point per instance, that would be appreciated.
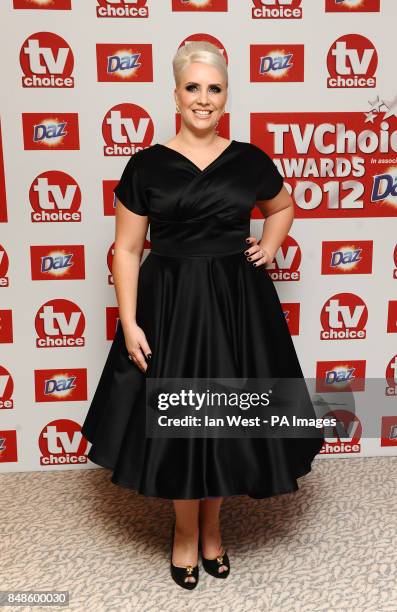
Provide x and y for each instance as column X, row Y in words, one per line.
column 352, row 6
column 46, row 61
column 8, row 446
column 64, row 385
column 389, row 431
column 341, row 257
column 54, row 5
column 62, row 443
column 291, row 312
column 340, row 376
column 343, row 317
column 60, row 262
column 51, row 131
column 59, row 323
column 55, row 196
column 392, row 317
column 199, row 5
column 352, row 62
column 277, row 63
column 125, row 63
column 126, row 129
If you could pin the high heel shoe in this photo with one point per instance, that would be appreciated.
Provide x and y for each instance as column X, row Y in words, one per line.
column 212, row 566
column 179, row 574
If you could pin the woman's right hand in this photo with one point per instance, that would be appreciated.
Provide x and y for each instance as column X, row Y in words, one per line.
column 137, row 346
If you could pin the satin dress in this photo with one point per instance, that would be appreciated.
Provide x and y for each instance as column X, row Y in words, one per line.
column 206, row 312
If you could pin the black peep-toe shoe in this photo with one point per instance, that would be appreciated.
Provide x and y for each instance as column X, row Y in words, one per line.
column 212, row 566
column 179, row 574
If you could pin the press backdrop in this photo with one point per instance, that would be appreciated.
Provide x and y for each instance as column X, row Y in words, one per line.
column 85, row 84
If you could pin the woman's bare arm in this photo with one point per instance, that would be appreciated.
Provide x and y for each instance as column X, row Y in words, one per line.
column 131, row 230
column 279, row 215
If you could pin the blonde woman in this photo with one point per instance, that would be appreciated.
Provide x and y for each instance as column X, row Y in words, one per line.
column 201, row 305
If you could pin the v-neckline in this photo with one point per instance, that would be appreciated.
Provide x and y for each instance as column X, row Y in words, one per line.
column 200, row 170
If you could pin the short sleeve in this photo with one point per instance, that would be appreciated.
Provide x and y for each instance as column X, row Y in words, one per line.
column 270, row 180
column 129, row 189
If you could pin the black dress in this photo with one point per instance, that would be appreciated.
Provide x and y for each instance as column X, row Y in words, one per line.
column 206, row 312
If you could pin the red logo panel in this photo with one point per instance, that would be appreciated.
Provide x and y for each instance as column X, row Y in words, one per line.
column 276, row 63
column 57, row 262
column 50, row 131
column 125, row 63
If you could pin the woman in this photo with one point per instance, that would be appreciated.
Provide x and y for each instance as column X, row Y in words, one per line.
column 201, row 305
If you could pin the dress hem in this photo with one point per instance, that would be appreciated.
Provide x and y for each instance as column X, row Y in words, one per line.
column 137, row 489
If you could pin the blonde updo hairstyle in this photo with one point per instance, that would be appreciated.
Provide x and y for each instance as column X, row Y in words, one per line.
column 198, row 51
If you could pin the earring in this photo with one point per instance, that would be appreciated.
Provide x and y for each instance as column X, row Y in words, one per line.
column 177, row 109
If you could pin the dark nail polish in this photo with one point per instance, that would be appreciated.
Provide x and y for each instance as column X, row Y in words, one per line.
column 249, row 258
column 246, row 252
column 254, row 263
column 247, row 240
column 149, row 356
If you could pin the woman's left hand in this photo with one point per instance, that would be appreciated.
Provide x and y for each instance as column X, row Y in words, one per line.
column 256, row 255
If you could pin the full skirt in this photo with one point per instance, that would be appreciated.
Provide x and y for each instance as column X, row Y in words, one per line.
column 204, row 317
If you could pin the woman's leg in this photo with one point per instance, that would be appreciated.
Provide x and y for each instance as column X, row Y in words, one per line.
column 185, row 550
column 210, row 533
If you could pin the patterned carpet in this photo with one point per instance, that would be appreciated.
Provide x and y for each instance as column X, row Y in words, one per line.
column 328, row 547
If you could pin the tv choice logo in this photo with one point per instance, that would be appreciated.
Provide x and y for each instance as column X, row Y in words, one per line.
column 340, row 376
column 124, row 63
column 4, row 266
column 340, row 151
column 344, row 257
column 286, row 263
column 352, row 62
column 389, row 431
column 277, row 63
column 345, row 436
column 6, row 389
column 50, row 131
column 291, row 311
column 8, row 446
column 126, row 129
column 57, row 262
column 344, row 317
column 207, row 37
column 277, row 9
column 61, row 385
column 47, row 61
column 59, row 323
column 391, row 376
column 62, row 443
column 55, row 197
column 352, row 6
column 122, row 8
column 44, row 5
